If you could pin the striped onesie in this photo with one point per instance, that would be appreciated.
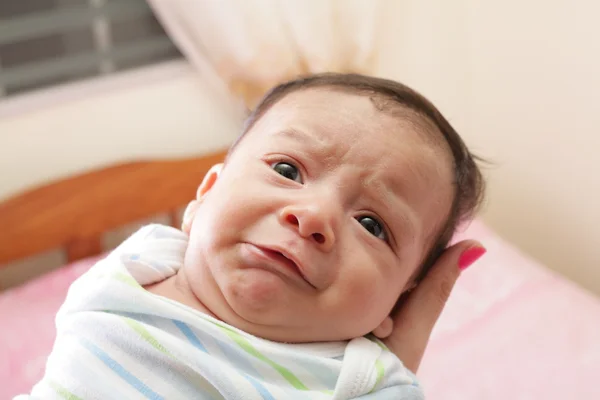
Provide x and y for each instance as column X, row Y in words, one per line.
column 115, row 340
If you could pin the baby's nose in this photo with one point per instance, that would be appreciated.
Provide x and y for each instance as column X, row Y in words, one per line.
column 311, row 222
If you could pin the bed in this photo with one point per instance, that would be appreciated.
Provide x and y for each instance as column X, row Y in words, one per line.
column 512, row 329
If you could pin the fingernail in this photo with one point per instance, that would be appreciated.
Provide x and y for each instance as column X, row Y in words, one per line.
column 469, row 256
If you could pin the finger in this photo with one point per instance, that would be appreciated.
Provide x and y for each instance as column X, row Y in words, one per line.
column 417, row 316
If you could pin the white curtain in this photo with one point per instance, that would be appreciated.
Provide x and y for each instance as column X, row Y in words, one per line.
column 244, row 47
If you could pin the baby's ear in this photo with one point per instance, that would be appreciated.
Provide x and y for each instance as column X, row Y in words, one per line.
column 384, row 329
column 387, row 325
column 209, row 180
column 207, row 183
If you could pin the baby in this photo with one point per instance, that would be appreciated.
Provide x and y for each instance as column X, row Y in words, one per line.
column 341, row 192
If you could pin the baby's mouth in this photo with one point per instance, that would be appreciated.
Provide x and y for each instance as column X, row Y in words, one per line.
column 286, row 261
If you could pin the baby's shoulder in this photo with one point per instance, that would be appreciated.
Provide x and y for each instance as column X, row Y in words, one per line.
column 139, row 240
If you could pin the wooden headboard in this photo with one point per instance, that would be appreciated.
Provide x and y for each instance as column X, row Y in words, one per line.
column 73, row 213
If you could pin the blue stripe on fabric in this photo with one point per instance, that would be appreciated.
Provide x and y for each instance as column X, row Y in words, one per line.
column 101, row 389
column 259, row 388
column 244, row 365
column 190, row 335
column 239, row 361
column 120, row 371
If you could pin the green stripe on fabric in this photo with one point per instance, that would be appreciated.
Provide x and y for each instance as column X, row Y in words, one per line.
column 378, row 343
column 208, row 388
column 126, row 279
column 136, row 326
column 62, row 392
column 380, row 374
column 247, row 346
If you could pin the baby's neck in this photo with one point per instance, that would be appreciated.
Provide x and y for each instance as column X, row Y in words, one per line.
column 176, row 288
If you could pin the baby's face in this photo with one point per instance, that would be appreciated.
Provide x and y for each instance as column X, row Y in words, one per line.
column 319, row 219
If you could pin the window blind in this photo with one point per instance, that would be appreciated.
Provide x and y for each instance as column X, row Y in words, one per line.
column 49, row 42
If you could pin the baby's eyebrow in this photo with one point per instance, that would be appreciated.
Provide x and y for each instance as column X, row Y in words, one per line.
column 295, row 134
column 314, row 139
column 323, row 150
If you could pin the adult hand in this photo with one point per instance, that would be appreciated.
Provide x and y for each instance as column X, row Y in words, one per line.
column 417, row 315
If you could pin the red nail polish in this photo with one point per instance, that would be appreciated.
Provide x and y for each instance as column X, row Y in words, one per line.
column 470, row 256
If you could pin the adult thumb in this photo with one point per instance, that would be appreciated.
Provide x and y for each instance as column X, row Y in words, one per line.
column 417, row 315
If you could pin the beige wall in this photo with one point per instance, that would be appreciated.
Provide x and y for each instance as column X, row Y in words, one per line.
column 521, row 81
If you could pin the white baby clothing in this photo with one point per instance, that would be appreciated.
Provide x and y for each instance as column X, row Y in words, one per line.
column 115, row 340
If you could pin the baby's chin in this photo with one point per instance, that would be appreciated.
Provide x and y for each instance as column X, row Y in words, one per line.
column 261, row 309
column 272, row 319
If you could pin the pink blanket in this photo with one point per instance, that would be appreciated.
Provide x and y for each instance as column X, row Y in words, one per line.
column 511, row 330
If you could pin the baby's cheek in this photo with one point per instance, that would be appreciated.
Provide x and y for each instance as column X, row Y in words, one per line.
column 364, row 295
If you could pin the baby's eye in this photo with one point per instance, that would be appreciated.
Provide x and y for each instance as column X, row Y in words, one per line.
column 374, row 227
column 287, row 170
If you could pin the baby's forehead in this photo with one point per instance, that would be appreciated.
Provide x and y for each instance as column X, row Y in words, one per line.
column 354, row 112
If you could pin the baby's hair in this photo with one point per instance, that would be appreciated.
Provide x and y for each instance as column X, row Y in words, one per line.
column 469, row 185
